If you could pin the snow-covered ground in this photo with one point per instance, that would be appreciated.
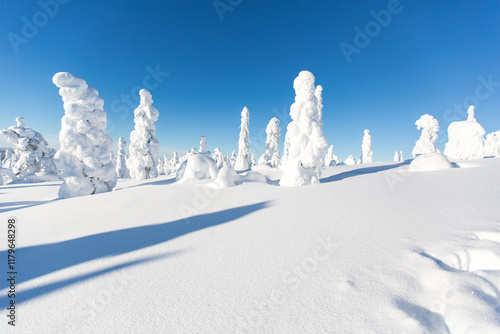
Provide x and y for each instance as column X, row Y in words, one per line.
column 372, row 249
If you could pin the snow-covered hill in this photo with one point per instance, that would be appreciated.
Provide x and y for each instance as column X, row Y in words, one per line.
column 372, row 249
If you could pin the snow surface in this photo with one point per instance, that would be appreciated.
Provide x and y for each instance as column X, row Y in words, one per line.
column 371, row 249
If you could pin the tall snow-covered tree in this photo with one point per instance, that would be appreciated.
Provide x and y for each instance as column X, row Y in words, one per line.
column 426, row 142
column 165, row 165
column 144, row 147
column 465, row 139
column 366, row 148
column 243, row 161
column 203, row 145
column 31, row 152
column 121, row 160
column 492, row 144
column 84, row 154
column 401, row 158
column 272, row 155
column 308, row 144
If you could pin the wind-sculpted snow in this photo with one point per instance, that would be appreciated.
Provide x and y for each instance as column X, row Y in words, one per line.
column 197, row 167
column 84, row 154
column 429, row 162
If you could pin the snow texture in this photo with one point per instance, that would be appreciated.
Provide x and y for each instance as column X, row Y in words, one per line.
column 121, row 160
column 243, row 161
column 272, row 155
column 426, row 142
column 431, row 161
column 465, row 139
column 144, row 147
column 84, row 154
column 308, row 144
column 366, row 148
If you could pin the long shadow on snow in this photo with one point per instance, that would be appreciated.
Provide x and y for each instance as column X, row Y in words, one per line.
column 37, row 261
column 361, row 171
column 11, row 206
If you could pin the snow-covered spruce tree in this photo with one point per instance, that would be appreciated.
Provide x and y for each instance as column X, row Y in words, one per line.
column 84, row 145
column 144, row 147
column 308, row 144
column 318, row 92
column 492, row 144
column 174, row 162
column 9, row 160
column 218, row 157
column 165, row 165
column 232, row 160
column 121, row 160
column 30, row 149
column 396, row 156
column 243, row 161
column 366, row 148
column 401, row 158
column 330, row 158
column 286, row 150
column 203, row 145
column 426, row 142
column 465, row 139
column 272, row 156
column 253, row 162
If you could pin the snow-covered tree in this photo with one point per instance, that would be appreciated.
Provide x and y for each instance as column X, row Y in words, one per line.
column 174, row 162
column 144, row 147
column 308, row 144
column 318, row 93
column 253, row 162
column 272, row 155
column 330, row 158
column 366, row 148
column 243, row 159
column 426, row 142
column 203, row 145
column 84, row 145
column 165, row 165
column 465, row 139
column 401, row 158
column 232, row 160
column 121, row 160
column 31, row 153
column 396, row 156
column 219, row 158
column 286, row 150
column 9, row 160
column 350, row 160
column 492, row 144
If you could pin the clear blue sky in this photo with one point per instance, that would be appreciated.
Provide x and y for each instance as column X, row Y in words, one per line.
column 427, row 59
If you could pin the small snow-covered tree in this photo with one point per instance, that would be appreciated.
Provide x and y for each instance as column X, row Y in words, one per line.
column 31, row 153
column 465, row 139
column 308, row 144
column 84, row 154
column 174, row 162
column 401, row 158
column 272, row 155
column 144, row 147
column 330, row 158
column 121, row 160
column 426, row 142
column 366, row 148
column 203, row 145
column 350, row 160
column 218, row 157
column 165, row 165
column 492, row 144
column 396, row 156
column 232, row 160
column 243, row 159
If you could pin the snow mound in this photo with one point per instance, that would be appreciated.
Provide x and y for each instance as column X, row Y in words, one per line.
column 429, row 162
column 228, row 177
column 197, row 167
